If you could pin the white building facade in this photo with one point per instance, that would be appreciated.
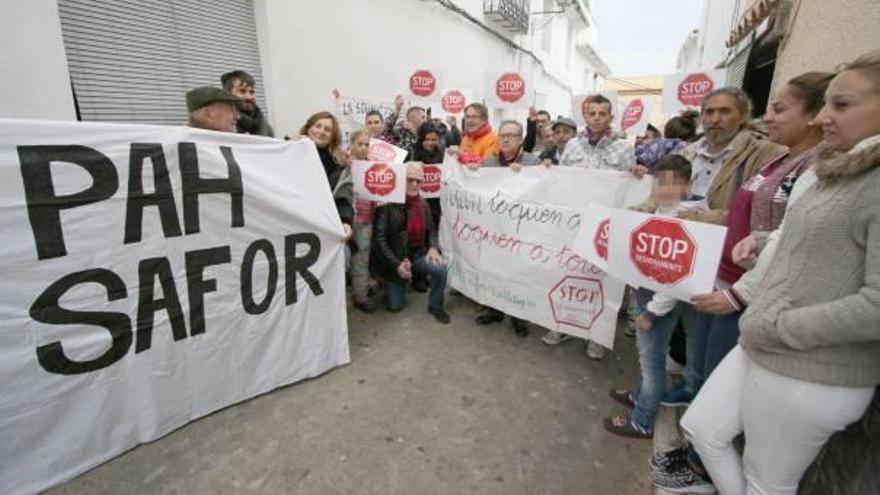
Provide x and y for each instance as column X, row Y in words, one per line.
column 134, row 60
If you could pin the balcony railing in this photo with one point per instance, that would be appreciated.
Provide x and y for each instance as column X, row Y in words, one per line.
column 512, row 16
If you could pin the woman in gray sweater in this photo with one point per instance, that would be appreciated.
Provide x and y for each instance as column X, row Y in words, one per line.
column 808, row 358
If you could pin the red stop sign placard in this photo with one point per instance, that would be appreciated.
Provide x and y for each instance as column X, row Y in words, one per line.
column 380, row 179
column 422, row 83
column 510, row 87
column 431, row 178
column 694, row 88
column 600, row 240
column 381, row 152
column 663, row 250
column 577, row 301
column 632, row 114
column 453, row 101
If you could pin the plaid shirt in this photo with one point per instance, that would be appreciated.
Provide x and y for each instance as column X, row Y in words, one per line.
column 397, row 135
column 608, row 154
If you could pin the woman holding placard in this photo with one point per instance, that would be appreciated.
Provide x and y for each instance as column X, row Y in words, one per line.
column 808, row 358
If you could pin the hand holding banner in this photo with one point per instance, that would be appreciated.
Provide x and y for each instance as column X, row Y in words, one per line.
column 379, row 181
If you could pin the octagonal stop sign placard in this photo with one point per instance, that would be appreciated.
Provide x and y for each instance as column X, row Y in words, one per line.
column 577, row 301
column 663, row 250
column 694, row 88
column 510, row 87
column 453, row 101
column 600, row 239
column 422, row 83
column 380, row 179
column 431, row 180
column 632, row 114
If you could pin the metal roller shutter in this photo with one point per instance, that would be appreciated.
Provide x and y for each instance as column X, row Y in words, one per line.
column 134, row 60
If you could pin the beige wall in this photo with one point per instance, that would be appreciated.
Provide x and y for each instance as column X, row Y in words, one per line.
column 826, row 33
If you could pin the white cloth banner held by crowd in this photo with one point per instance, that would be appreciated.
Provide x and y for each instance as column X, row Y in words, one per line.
column 380, row 151
column 452, row 102
column 633, row 116
column 431, row 180
column 675, row 257
column 509, row 237
column 153, row 275
column 684, row 90
column 423, row 85
column 510, row 89
column 379, row 181
column 351, row 111
column 579, row 105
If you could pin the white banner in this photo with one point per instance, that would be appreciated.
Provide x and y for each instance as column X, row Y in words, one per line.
column 684, row 90
column 510, row 89
column 431, row 180
column 380, row 151
column 151, row 276
column 634, row 116
column 579, row 105
column 379, row 181
column 452, row 102
column 351, row 111
column 667, row 255
column 509, row 236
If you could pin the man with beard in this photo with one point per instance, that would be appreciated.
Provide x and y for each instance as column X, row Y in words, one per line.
column 251, row 119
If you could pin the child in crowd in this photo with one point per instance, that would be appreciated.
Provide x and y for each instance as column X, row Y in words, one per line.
column 658, row 314
column 362, row 231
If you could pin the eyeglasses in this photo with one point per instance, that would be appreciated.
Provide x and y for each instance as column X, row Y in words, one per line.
column 509, row 136
column 414, row 181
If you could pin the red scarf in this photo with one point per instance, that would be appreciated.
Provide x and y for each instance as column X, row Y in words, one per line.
column 415, row 221
column 482, row 131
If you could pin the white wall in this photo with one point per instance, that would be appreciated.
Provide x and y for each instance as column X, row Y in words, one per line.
column 35, row 79
column 718, row 19
column 370, row 48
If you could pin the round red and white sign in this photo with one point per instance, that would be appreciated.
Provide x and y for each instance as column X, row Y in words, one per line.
column 380, row 179
column 422, row 83
column 632, row 114
column 694, row 88
column 431, row 178
column 577, row 301
column 600, row 239
column 663, row 250
column 510, row 87
column 381, row 152
column 453, row 101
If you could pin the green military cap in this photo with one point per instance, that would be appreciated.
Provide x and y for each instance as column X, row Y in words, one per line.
column 205, row 95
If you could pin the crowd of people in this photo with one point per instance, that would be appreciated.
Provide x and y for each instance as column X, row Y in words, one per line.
column 781, row 356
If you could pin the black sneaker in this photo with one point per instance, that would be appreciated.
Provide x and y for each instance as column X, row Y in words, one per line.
column 366, row 306
column 440, row 315
column 669, row 460
column 520, row 327
column 681, row 479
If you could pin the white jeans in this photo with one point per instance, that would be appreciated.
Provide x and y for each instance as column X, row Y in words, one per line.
column 786, row 422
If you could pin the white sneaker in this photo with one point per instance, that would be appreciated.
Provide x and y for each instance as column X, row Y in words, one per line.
column 555, row 338
column 595, row 351
column 672, row 367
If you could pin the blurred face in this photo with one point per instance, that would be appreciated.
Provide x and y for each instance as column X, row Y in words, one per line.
column 851, row 112
column 247, row 93
column 416, row 117
column 413, row 182
column 321, row 132
column 221, row 116
column 722, row 119
column 511, row 139
column 473, row 120
column 541, row 120
column 546, row 134
column 375, row 126
column 785, row 120
column 598, row 117
column 669, row 189
column 360, row 148
column 562, row 134
column 430, row 142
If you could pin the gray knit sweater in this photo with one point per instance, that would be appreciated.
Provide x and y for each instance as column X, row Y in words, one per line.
column 816, row 314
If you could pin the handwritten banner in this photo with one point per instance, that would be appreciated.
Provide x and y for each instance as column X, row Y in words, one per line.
column 153, row 275
column 509, row 236
column 379, row 181
column 351, row 111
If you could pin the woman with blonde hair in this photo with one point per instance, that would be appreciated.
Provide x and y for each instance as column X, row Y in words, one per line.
column 322, row 129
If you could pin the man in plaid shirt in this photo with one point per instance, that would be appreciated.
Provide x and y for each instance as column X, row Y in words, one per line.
column 598, row 147
column 406, row 133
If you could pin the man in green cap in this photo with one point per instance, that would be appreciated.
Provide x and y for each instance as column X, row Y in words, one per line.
column 213, row 108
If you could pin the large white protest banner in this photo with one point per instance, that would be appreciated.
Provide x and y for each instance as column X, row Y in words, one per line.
column 509, row 236
column 667, row 255
column 351, row 111
column 379, row 181
column 683, row 90
column 151, row 276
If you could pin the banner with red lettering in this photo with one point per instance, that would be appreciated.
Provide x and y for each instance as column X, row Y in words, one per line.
column 509, row 236
column 510, row 89
column 684, row 90
column 153, row 275
column 379, row 181
column 380, row 151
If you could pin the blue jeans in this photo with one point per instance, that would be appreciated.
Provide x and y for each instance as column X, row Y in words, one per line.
column 710, row 339
column 653, row 346
column 394, row 290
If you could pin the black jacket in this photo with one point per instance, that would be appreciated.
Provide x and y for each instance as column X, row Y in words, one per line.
column 390, row 243
column 254, row 123
column 339, row 179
